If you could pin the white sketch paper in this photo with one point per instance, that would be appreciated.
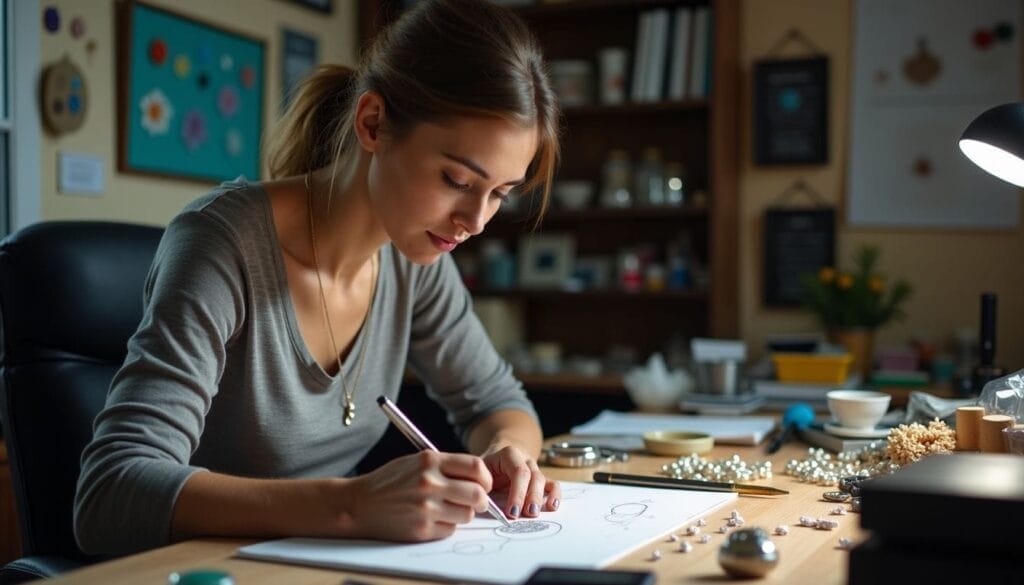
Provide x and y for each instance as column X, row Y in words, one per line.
column 595, row 525
column 923, row 69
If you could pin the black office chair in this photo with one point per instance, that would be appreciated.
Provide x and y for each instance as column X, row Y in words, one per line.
column 70, row 297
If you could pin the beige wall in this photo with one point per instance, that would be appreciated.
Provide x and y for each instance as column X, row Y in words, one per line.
column 949, row 269
column 144, row 199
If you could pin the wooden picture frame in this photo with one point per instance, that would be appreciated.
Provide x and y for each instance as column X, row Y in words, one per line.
column 796, row 241
column 325, row 6
column 545, row 261
column 791, row 111
column 190, row 97
column 300, row 54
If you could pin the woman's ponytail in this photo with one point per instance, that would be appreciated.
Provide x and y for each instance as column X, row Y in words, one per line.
column 307, row 136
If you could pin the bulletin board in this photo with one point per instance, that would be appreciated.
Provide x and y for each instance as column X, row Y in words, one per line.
column 190, row 97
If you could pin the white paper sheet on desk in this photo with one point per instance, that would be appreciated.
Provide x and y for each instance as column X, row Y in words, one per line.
column 595, row 525
column 730, row 430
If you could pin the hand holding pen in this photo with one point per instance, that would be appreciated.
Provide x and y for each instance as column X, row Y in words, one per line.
column 421, row 442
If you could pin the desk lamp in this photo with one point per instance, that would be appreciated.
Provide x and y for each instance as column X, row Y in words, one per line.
column 995, row 142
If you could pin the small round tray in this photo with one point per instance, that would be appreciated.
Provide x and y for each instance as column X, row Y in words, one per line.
column 677, row 442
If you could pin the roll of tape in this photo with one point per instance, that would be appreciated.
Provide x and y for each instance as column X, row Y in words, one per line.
column 677, row 442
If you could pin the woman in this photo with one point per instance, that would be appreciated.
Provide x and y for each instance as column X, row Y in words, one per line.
column 277, row 312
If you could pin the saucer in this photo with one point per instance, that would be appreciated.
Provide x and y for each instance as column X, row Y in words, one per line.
column 875, row 433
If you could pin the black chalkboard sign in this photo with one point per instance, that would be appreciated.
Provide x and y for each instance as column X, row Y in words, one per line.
column 796, row 241
column 791, row 111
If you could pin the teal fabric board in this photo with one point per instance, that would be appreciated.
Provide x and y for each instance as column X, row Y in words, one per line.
column 195, row 98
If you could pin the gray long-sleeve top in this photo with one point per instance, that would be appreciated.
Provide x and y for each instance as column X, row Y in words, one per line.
column 218, row 376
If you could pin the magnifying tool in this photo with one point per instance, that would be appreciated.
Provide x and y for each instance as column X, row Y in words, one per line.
column 567, row 454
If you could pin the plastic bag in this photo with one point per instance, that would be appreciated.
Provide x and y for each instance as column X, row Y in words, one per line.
column 1005, row 396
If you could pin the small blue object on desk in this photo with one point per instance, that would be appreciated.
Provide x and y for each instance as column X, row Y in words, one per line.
column 201, row 577
column 796, row 418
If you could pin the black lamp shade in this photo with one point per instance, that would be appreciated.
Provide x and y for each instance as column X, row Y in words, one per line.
column 995, row 142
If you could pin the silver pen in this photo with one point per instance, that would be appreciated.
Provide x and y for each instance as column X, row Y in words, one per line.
column 421, row 442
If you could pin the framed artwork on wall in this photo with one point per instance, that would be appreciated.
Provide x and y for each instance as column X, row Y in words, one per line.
column 791, row 111
column 300, row 54
column 325, row 6
column 190, row 97
column 545, row 261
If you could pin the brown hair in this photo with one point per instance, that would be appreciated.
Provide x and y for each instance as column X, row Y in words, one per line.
column 441, row 59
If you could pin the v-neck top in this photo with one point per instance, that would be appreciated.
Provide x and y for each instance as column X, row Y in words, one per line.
column 218, row 375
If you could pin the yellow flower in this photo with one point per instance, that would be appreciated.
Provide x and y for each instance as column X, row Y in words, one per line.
column 877, row 285
column 827, row 274
column 845, row 281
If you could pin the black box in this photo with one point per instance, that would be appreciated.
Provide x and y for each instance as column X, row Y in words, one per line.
column 874, row 562
column 963, row 501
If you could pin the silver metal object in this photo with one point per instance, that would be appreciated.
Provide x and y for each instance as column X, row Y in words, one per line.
column 836, row 496
column 748, row 552
column 581, row 455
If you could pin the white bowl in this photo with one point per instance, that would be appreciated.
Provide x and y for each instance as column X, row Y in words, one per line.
column 573, row 194
column 857, row 409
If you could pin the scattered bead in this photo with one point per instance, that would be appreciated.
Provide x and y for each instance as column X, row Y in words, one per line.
column 723, row 529
column 824, row 524
column 734, row 514
column 693, row 530
column 704, row 538
column 685, row 547
column 845, row 543
column 836, row 496
column 702, row 522
column 781, row 530
column 855, row 504
column 672, row 538
column 808, row 522
column 656, row 555
column 732, row 469
column 838, row 511
column 821, row 468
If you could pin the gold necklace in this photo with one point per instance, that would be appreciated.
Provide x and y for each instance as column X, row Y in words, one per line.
column 349, row 412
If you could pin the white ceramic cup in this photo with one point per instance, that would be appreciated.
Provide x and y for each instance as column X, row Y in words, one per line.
column 857, row 409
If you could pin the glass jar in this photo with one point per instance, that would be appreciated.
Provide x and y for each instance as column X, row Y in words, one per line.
column 615, row 190
column 650, row 179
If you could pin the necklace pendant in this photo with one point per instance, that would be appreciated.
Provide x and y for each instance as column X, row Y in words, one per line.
column 349, row 414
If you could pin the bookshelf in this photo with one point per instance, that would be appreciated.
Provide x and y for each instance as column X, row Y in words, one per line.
column 702, row 133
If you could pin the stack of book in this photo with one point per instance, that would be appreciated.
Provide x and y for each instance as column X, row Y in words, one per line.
column 780, row 395
column 672, row 54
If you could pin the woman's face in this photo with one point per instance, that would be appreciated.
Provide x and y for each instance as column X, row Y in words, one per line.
column 441, row 184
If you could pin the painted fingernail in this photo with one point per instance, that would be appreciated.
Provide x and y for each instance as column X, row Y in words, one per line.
column 534, row 509
column 555, row 503
column 514, row 511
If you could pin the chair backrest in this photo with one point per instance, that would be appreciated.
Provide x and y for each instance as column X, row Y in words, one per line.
column 70, row 297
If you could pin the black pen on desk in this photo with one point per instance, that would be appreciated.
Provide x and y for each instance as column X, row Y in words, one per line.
column 744, row 489
column 421, row 442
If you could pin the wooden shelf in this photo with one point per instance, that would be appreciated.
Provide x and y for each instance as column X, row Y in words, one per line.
column 592, row 214
column 674, row 296
column 576, row 7
column 634, row 109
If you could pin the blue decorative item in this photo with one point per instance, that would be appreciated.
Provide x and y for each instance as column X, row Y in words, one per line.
column 51, row 19
column 174, row 120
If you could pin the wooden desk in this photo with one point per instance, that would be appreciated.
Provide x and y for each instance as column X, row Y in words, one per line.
column 806, row 555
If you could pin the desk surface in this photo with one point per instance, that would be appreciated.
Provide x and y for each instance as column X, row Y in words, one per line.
column 807, row 555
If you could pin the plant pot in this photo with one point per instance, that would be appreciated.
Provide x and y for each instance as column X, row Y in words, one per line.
column 860, row 342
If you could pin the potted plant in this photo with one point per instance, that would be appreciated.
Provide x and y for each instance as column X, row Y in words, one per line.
column 852, row 304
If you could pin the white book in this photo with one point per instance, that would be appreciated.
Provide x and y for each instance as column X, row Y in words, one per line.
column 654, row 78
column 678, row 67
column 699, row 53
column 643, row 41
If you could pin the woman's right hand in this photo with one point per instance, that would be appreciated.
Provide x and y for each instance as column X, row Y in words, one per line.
column 417, row 497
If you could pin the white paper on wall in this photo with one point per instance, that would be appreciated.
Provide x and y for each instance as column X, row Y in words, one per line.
column 923, row 69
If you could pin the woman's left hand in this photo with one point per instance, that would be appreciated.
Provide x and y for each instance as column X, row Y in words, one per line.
column 529, row 491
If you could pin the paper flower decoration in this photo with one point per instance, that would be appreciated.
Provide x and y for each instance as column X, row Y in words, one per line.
column 227, row 101
column 182, row 66
column 156, row 112
column 193, row 129
column 233, row 142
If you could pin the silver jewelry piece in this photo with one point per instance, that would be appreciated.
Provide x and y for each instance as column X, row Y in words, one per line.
column 748, row 553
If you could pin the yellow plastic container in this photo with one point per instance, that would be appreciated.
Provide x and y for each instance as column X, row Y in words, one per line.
column 811, row 367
